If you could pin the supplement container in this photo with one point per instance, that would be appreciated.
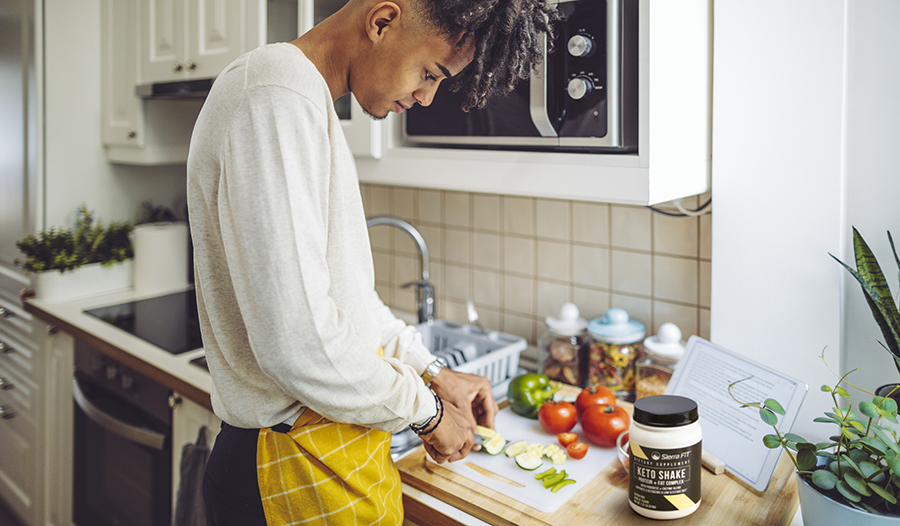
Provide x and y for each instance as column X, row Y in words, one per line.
column 615, row 344
column 665, row 446
column 657, row 363
column 562, row 347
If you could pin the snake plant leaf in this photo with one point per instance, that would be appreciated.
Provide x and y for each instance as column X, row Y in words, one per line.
column 894, row 250
column 824, row 479
column 877, row 292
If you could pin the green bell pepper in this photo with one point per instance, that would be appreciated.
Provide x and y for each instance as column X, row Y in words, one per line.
column 527, row 392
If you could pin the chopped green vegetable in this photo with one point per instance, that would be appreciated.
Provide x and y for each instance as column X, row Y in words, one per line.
column 545, row 474
column 556, row 487
column 553, row 479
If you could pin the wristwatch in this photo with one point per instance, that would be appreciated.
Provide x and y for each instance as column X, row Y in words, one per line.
column 432, row 370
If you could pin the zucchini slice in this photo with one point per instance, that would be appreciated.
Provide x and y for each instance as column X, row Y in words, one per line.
column 494, row 445
column 516, row 448
column 528, row 462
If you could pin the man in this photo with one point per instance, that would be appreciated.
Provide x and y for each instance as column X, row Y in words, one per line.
column 311, row 372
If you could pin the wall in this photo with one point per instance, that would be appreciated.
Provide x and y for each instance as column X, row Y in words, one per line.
column 777, row 187
column 76, row 170
column 520, row 258
column 871, row 175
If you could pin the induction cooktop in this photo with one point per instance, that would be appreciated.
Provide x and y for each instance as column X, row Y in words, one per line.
column 170, row 322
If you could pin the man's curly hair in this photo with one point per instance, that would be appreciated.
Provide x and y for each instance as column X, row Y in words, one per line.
column 507, row 36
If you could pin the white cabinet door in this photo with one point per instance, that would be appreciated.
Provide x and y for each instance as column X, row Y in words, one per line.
column 214, row 37
column 122, row 115
column 163, row 37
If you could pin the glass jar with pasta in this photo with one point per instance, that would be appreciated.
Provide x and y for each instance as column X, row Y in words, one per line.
column 614, row 346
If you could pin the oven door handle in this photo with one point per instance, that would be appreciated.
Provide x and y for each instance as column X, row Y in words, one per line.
column 129, row 432
column 538, row 96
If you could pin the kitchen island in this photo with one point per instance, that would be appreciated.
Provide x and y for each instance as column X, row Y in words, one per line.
column 432, row 495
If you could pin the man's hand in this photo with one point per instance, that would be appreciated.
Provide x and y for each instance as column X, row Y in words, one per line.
column 470, row 393
column 453, row 438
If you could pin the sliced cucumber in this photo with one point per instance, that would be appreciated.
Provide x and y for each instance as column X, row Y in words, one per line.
column 494, row 445
column 515, row 448
column 529, row 462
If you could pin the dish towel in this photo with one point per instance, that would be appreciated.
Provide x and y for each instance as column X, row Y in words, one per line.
column 189, row 508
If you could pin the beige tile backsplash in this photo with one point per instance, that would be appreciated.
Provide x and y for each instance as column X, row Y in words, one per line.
column 520, row 258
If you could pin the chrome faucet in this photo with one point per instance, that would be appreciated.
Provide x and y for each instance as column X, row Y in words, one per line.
column 424, row 288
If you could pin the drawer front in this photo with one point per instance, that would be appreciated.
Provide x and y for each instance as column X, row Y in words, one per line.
column 14, row 319
column 18, row 353
column 17, row 394
column 18, row 468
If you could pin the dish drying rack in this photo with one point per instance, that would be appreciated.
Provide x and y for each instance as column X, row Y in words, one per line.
column 467, row 349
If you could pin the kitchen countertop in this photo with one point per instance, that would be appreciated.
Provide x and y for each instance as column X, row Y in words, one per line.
column 193, row 382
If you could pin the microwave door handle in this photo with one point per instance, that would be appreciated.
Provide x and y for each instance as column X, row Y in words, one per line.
column 538, row 96
column 129, row 432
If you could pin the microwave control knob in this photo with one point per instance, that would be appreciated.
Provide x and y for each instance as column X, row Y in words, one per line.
column 580, row 46
column 580, row 87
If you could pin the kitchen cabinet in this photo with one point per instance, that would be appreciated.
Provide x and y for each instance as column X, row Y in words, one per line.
column 35, row 397
column 674, row 130
column 194, row 39
column 177, row 40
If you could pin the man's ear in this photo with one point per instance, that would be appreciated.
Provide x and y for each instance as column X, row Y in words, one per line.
column 381, row 17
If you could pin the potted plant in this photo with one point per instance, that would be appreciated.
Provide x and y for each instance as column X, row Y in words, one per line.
column 86, row 260
column 855, row 475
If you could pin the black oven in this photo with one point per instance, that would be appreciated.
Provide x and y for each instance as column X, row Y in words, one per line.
column 583, row 97
column 123, row 445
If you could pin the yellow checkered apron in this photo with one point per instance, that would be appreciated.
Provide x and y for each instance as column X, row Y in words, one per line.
column 324, row 472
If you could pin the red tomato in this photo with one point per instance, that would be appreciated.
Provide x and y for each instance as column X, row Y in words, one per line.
column 566, row 438
column 603, row 423
column 594, row 395
column 577, row 450
column 557, row 416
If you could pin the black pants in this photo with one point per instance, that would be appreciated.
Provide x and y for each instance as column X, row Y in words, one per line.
column 230, row 488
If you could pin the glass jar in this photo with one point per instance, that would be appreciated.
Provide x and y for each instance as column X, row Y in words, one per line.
column 562, row 346
column 614, row 346
column 654, row 368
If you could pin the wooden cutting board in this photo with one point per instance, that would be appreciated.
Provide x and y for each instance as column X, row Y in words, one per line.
column 604, row 498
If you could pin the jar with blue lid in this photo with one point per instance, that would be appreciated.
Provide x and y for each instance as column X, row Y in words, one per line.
column 615, row 345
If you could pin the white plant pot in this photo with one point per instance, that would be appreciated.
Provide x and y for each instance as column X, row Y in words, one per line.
column 820, row 510
column 89, row 280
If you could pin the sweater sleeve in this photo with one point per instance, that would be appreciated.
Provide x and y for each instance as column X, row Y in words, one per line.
column 273, row 206
column 398, row 339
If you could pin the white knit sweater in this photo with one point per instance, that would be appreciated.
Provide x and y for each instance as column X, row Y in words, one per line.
column 284, row 276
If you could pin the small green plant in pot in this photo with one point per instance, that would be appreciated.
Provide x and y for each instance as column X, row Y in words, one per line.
column 65, row 250
column 859, row 465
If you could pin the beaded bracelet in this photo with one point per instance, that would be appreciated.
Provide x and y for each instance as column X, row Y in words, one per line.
column 439, row 414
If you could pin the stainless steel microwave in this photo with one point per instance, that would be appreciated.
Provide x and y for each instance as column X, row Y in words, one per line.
column 582, row 97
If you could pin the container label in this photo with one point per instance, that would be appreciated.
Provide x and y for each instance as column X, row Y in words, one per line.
column 664, row 479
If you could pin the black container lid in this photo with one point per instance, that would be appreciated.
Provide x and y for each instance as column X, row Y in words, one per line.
column 665, row 411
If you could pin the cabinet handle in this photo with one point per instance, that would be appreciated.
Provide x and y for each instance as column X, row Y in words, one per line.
column 174, row 401
column 6, row 313
column 176, row 67
column 5, row 413
column 190, row 65
column 6, row 348
column 5, row 385
column 131, row 134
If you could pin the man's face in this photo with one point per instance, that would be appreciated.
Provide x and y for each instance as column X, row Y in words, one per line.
column 404, row 69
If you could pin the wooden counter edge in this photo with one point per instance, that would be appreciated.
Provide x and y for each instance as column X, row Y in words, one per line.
column 165, row 379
